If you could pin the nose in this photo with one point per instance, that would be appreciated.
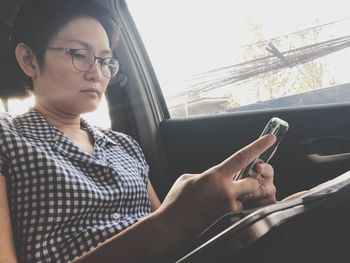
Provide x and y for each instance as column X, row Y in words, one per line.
column 95, row 73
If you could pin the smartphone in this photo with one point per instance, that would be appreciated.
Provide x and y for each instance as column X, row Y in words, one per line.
column 275, row 126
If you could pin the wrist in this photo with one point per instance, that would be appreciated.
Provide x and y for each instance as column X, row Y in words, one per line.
column 167, row 234
column 174, row 232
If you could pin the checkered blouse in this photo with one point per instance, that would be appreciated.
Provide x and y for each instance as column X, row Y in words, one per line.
column 64, row 201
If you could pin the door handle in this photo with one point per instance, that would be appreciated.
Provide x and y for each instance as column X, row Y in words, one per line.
column 321, row 158
column 327, row 149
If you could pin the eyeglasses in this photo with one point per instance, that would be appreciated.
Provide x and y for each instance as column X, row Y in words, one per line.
column 84, row 59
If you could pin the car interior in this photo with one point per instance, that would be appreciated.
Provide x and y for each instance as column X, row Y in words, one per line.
column 315, row 149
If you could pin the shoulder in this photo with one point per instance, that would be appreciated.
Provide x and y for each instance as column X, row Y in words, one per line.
column 6, row 117
column 8, row 132
column 7, row 122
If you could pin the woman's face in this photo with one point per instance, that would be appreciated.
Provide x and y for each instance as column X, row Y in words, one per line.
column 58, row 85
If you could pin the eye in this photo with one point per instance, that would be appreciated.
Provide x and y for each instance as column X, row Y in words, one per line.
column 79, row 55
column 114, row 66
column 104, row 63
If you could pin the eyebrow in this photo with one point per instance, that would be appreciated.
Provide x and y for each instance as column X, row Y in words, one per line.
column 88, row 46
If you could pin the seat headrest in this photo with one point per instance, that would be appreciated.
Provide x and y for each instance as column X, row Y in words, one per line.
column 10, row 84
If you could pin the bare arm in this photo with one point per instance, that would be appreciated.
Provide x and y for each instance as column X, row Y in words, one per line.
column 146, row 241
column 155, row 203
column 194, row 201
column 7, row 247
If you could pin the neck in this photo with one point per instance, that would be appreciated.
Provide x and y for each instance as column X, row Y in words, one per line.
column 60, row 120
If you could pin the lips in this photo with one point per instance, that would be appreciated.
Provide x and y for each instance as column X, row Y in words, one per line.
column 90, row 90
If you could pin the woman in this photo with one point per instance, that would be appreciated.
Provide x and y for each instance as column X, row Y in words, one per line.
column 74, row 192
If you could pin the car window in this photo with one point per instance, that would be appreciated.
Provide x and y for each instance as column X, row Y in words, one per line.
column 223, row 56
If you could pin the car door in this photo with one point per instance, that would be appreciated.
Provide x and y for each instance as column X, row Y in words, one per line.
column 315, row 149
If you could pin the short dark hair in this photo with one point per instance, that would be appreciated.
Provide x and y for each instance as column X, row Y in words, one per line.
column 37, row 21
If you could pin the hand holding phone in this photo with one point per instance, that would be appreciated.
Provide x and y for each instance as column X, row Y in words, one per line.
column 275, row 126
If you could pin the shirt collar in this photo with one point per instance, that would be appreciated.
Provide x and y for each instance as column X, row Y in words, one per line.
column 95, row 131
column 34, row 125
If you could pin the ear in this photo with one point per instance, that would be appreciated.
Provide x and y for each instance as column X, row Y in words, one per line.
column 26, row 60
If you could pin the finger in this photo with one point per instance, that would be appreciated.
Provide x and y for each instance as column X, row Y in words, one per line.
column 258, row 202
column 264, row 195
column 259, row 161
column 265, row 170
column 253, row 174
column 243, row 157
column 261, row 193
column 244, row 187
column 260, row 199
column 236, row 206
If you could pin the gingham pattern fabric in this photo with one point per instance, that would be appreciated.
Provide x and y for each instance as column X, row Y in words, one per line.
column 64, row 201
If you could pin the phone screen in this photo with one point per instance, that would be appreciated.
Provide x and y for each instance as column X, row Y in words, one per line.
column 275, row 126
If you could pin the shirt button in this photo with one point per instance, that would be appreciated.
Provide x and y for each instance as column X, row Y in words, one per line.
column 115, row 216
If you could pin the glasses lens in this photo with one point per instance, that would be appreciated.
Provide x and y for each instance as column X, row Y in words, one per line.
column 109, row 67
column 113, row 67
column 83, row 59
